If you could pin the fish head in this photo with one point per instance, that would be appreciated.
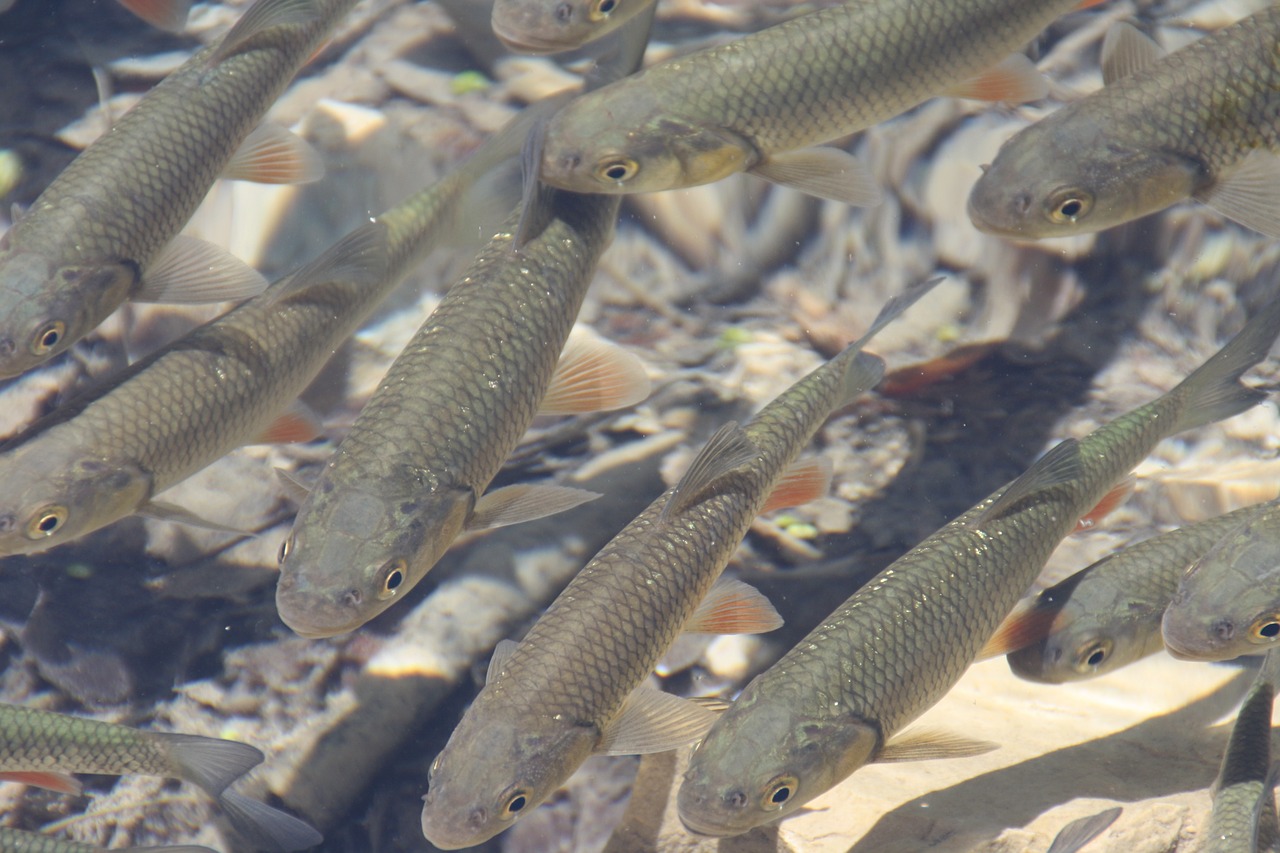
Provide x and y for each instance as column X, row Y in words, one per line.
column 1227, row 603
column 501, row 762
column 620, row 145
column 356, row 550
column 55, row 493
column 552, row 26
column 763, row 760
column 1060, row 177
column 49, row 307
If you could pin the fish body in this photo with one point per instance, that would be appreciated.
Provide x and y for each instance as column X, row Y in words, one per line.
column 408, row 476
column 1228, row 603
column 753, row 104
column 551, row 26
column 106, row 453
column 85, row 245
column 1108, row 615
column 1202, row 122
column 17, row 841
column 1244, row 812
column 562, row 693
column 837, row 699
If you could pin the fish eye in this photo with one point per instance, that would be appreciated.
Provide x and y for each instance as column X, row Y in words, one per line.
column 1093, row 654
column 602, row 9
column 46, row 522
column 1069, row 205
column 517, row 801
column 1265, row 628
column 48, row 337
column 617, row 170
column 286, row 548
column 779, row 792
column 392, row 577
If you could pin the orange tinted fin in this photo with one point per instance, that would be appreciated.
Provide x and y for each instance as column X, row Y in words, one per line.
column 594, row 375
column 1014, row 79
column 806, row 480
column 1119, row 493
column 272, row 154
column 295, row 424
column 1028, row 623
column 61, row 782
column 733, row 607
column 914, row 378
column 1085, row 4
column 168, row 15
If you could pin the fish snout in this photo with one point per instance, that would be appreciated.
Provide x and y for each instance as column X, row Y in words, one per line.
column 696, row 803
column 7, row 347
column 313, row 612
column 1223, row 629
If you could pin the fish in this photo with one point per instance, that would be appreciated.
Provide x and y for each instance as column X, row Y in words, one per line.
column 552, row 26
column 1107, row 615
column 1081, row 831
column 168, row 15
column 42, row 748
column 106, row 453
column 106, row 230
column 573, row 686
column 1244, row 810
column 1198, row 124
column 841, row 697
column 762, row 103
column 1226, row 604
column 17, row 841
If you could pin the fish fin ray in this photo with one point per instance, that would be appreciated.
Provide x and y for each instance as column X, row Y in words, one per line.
column 652, row 721
column 733, row 607
column 360, row 257
column 167, row 15
column 536, row 197
column 294, row 487
column 594, row 375
column 1215, row 389
column 824, row 172
column 501, row 654
column 804, row 480
column 190, row 270
column 1127, row 50
column 1028, row 623
column 864, row 372
column 924, row 743
column 165, row 511
column 1060, row 465
column 1109, row 503
column 63, row 783
column 296, row 424
column 268, row 828
column 1082, row 830
column 211, row 763
column 272, row 154
column 1248, row 193
column 892, row 309
column 524, row 502
column 1015, row 79
column 729, row 448
column 260, row 17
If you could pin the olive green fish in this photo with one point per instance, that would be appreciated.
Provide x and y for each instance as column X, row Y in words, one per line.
column 573, row 685
column 838, row 699
column 1228, row 603
column 106, row 229
column 759, row 103
column 1244, row 809
column 41, row 747
column 1107, row 616
column 17, row 841
column 106, row 453
column 550, row 26
column 1199, row 123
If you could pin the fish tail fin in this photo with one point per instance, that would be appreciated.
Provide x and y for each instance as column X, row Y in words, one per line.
column 1214, row 391
column 211, row 763
column 268, row 828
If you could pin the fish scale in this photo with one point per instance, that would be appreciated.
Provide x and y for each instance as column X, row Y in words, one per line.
column 446, row 416
column 17, row 841
column 130, row 193
column 107, row 452
column 835, row 700
column 815, row 78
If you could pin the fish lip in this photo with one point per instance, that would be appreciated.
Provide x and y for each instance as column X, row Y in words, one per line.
column 531, row 45
column 1182, row 653
column 695, row 827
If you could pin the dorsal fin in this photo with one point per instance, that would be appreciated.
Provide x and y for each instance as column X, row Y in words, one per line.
column 728, row 449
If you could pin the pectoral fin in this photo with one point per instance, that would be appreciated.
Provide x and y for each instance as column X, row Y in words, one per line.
column 1249, row 193
column 823, row 172
column 524, row 502
column 653, row 721
column 923, row 743
column 164, row 511
column 189, row 270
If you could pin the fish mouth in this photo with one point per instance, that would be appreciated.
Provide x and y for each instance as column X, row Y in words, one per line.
column 528, row 44
column 1183, row 653
column 697, row 827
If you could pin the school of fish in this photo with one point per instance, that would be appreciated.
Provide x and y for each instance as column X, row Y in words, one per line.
column 416, row 469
